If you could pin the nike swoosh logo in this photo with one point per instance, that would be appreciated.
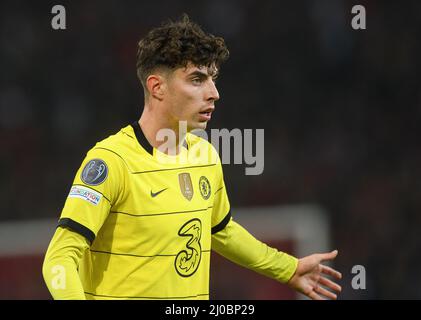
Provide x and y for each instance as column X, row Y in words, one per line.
column 154, row 194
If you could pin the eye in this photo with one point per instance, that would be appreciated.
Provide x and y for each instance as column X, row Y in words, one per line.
column 196, row 81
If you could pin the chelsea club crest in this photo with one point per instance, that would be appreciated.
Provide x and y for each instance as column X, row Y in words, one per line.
column 204, row 187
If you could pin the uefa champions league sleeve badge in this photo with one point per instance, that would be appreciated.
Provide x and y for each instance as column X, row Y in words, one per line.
column 95, row 172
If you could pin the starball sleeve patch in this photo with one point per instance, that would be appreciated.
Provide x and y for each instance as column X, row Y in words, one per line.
column 95, row 172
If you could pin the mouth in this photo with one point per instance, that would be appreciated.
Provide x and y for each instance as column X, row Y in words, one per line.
column 206, row 114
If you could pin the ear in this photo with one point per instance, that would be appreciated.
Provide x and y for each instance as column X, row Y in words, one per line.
column 155, row 84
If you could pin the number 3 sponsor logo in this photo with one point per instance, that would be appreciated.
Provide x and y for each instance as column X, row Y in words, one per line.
column 187, row 260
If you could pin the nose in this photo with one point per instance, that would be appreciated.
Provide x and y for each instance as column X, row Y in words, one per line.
column 213, row 94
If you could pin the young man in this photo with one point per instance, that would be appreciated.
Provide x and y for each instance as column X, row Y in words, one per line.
column 141, row 219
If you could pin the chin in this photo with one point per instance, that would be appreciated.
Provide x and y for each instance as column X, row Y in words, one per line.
column 197, row 126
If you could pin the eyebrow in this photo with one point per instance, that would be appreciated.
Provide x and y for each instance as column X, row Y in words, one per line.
column 202, row 74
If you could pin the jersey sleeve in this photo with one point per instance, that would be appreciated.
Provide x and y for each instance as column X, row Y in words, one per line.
column 61, row 264
column 96, row 187
column 221, row 213
column 236, row 244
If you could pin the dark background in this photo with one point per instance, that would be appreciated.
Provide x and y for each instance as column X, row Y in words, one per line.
column 340, row 108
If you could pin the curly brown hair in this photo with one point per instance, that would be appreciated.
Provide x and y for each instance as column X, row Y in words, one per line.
column 175, row 44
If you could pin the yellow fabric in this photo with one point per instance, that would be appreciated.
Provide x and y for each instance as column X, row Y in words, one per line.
column 61, row 263
column 238, row 245
column 147, row 247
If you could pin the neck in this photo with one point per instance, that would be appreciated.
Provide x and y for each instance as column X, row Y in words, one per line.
column 161, row 133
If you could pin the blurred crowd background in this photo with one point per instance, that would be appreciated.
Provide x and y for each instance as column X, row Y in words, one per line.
column 341, row 110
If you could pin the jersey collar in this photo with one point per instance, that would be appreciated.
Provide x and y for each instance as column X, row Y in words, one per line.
column 143, row 141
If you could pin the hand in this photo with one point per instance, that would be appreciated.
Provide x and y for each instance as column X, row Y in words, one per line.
column 310, row 277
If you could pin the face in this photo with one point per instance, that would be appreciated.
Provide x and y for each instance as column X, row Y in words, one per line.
column 190, row 95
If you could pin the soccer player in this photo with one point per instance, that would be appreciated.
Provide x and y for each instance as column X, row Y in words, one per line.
column 140, row 220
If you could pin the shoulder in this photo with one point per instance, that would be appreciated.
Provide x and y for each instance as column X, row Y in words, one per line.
column 114, row 149
column 124, row 150
column 118, row 142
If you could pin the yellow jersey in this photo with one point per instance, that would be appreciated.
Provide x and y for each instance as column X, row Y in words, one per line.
column 149, row 217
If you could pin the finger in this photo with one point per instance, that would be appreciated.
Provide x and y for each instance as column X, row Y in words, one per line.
column 330, row 255
column 314, row 296
column 325, row 292
column 331, row 272
column 330, row 284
